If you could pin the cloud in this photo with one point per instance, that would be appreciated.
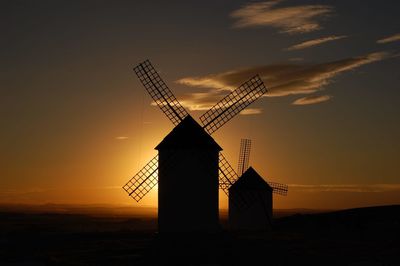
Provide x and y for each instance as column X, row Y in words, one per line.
column 251, row 111
column 315, row 42
column 290, row 19
column 198, row 101
column 360, row 188
column 392, row 38
column 296, row 59
column 203, row 101
column 312, row 99
column 121, row 138
column 280, row 79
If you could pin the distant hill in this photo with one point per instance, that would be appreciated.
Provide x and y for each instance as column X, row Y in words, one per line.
column 379, row 220
column 87, row 209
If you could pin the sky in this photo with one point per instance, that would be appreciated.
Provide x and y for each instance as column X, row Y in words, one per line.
column 76, row 124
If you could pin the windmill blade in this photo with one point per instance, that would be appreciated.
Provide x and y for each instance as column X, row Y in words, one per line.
column 227, row 177
column 232, row 104
column 279, row 188
column 159, row 91
column 244, row 156
column 140, row 184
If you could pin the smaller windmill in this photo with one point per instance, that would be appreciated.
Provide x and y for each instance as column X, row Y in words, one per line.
column 256, row 191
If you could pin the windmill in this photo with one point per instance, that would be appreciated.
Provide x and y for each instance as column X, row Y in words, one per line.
column 189, row 166
column 256, row 191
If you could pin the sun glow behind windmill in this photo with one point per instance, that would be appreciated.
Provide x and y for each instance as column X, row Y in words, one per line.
column 189, row 144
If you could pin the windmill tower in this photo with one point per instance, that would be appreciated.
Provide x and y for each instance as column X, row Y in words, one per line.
column 256, row 191
column 189, row 184
column 189, row 166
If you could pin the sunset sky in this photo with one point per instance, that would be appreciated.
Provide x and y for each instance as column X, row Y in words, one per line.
column 76, row 124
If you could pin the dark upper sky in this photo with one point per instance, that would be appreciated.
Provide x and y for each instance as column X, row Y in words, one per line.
column 73, row 114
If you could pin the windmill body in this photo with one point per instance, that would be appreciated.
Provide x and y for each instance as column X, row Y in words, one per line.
column 257, row 217
column 188, row 180
column 254, row 190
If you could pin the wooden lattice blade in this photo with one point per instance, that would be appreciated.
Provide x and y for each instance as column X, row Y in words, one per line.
column 159, row 91
column 233, row 104
column 279, row 188
column 227, row 177
column 141, row 183
column 244, row 155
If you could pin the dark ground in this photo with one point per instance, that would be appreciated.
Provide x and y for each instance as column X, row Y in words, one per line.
column 367, row 236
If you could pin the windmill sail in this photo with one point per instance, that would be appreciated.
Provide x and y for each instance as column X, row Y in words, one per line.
column 147, row 178
column 233, row 104
column 141, row 183
column 159, row 91
column 244, row 155
column 279, row 188
column 227, row 175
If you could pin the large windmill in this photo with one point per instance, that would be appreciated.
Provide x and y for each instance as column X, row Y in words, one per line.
column 189, row 166
column 256, row 191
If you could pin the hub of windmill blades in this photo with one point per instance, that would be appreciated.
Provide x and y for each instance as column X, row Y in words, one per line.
column 139, row 185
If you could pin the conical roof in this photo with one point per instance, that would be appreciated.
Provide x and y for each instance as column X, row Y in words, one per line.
column 188, row 134
column 251, row 180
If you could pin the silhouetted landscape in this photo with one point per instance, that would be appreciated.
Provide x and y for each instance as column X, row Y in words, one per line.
column 247, row 132
column 102, row 235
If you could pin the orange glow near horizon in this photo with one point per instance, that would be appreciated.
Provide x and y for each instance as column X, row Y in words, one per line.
column 96, row 175
column 107, row 165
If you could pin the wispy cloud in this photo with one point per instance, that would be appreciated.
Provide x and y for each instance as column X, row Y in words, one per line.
column 251, row 111
column 296, row 59
column 121, row 138
column 288, row 19
column 312, row 99
column 392, row 38
column 360, row 188
column 203, row 101
column 315, row 42
column 280, row 79
column 198, row 101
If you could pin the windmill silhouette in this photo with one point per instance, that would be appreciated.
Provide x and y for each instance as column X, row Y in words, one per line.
column 256, row 191
column 189, row 166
